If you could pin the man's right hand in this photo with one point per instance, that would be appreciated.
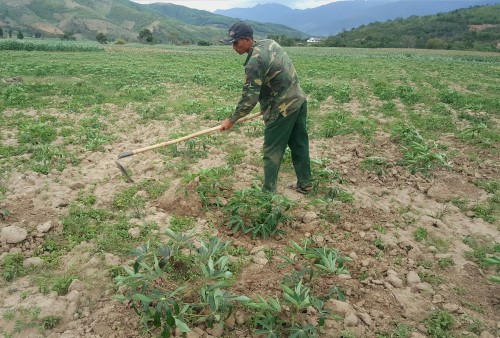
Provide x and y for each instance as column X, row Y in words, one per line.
column 226, row 125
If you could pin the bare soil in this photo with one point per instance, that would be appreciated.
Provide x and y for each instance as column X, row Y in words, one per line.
column 398, row 201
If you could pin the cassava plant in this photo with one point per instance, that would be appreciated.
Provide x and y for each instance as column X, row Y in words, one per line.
column 299, row 294
column 261, row 214
column 175, row 285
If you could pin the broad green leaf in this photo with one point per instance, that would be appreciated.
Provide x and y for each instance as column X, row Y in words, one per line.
column 181, row 325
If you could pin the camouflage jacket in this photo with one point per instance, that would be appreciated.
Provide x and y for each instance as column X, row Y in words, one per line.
column 271, row 80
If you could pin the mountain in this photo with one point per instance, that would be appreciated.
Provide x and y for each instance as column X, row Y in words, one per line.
column 208, row 19
column 83, row 19
column 475, row 28
column 338, row 16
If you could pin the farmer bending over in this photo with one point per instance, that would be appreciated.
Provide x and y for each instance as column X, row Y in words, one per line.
column 272, row 81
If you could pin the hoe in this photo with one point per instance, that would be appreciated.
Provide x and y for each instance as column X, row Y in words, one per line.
column 167, row 143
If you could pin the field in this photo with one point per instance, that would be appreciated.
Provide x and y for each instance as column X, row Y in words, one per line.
column 399, row 237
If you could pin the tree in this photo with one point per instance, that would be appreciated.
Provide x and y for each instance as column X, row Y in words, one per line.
column 20, row 35
column 435, row 43
column 1, row 32
column 68, row 36
column 146, row 35
column 101, row 38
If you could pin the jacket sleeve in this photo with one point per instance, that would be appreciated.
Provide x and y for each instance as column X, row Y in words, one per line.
column 251, row 90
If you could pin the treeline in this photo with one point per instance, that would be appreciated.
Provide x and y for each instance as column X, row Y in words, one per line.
column 475, row 28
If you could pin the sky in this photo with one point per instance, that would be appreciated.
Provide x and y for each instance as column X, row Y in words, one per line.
column 212, row 5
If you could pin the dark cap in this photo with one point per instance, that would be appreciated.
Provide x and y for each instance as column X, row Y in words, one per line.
column 238, row 31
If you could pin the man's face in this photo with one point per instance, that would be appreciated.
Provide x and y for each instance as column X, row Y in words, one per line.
column 242, row 46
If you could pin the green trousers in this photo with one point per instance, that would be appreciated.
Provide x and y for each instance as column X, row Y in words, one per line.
column 286, row 131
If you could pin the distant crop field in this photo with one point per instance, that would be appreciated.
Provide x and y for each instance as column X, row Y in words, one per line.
column 350, row 91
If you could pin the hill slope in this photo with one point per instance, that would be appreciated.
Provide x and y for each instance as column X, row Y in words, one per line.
column 473, row 28
column 208, row 19
column 334, row 17
column 115, row 18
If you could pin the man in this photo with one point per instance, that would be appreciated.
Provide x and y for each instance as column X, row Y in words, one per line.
column 272, row 81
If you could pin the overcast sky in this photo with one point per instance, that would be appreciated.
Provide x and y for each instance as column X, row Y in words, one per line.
column 212, row 5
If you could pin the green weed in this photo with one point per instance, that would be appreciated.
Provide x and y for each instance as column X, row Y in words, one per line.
column 444, row 263
column 439, row 324
column 431, row 278
column 62, row 283
column 36, row 133
column 481, row 249
column 155, row 111
column 421, row 234
column 12, row 266
column 400, row 331
column 211, row 184
column 181, row 224
column 418, row 154
column 375, row 164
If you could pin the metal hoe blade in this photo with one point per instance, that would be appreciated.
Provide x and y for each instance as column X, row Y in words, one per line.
column 124, row 172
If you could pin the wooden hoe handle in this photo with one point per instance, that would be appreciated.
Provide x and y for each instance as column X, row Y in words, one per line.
column 183, row 138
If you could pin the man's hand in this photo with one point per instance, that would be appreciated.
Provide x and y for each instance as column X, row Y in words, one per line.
column 226, row 125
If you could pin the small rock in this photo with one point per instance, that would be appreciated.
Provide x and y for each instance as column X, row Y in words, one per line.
column 256, row 249
column 345, row 158
column 428, row 222
column 45, row 227
column 32, row 262
column 192, row 334
column 486, row 334
column 347, row 226
column 260, row 260
column 417, row 335
column 13, row 234
column 93, row 262
column 77, row 186
column 318, row 239
column 351, row 320
column 412, row 278
column 414, row 253
column 365, row 317
column 309, row 217
column 240, row 317
column 353, row 255
column 231, row 320
column 111, row 259
column 425, row 287
column 437, row 299
column 339, row 307
column 76, row 285
column 15, row 250
column 394, row 280
column 451, row 307
column 344, row 276
column 134, row 232
column 217, row 330
column 73, row 296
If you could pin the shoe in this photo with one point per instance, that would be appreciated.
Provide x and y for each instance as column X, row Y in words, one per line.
column 302, row 190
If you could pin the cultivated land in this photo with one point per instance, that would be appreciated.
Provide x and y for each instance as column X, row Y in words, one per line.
column 391, row 243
